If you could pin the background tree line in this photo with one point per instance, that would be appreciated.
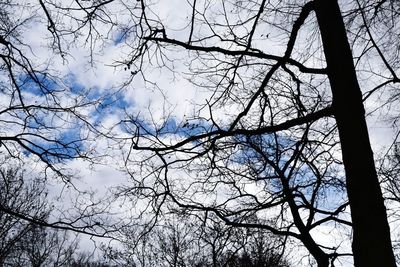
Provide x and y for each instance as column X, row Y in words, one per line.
column 25, row 243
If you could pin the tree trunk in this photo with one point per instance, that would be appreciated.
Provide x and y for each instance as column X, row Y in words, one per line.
column 371, row 233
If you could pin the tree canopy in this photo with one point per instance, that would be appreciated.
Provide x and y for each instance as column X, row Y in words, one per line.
column 255, row 115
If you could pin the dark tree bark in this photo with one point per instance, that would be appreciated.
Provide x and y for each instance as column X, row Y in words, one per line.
column 371, row 234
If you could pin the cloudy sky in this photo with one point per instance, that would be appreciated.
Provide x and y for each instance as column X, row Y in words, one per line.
column 92, row 66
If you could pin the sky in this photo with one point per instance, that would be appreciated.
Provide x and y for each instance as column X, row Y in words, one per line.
column 101, row 77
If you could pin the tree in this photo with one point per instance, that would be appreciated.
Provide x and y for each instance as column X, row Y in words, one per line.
column 182, row 241
column 44, row 247
column 363, row 189
column 22, row 242
column 22, row 197
column 35, row 115
column 282, row 134
column 280, row 112
column 25, row 242
column 43, row 111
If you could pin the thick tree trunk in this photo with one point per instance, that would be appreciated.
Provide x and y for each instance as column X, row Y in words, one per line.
column 371, row 233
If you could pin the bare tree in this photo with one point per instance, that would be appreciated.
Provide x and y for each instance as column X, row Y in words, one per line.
column 44, row 247
column 182, row 241
column 23, row 197
column 34, row 114
column 285, row 118
column 282, row 134
column 43, row 115
column 23, row 243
